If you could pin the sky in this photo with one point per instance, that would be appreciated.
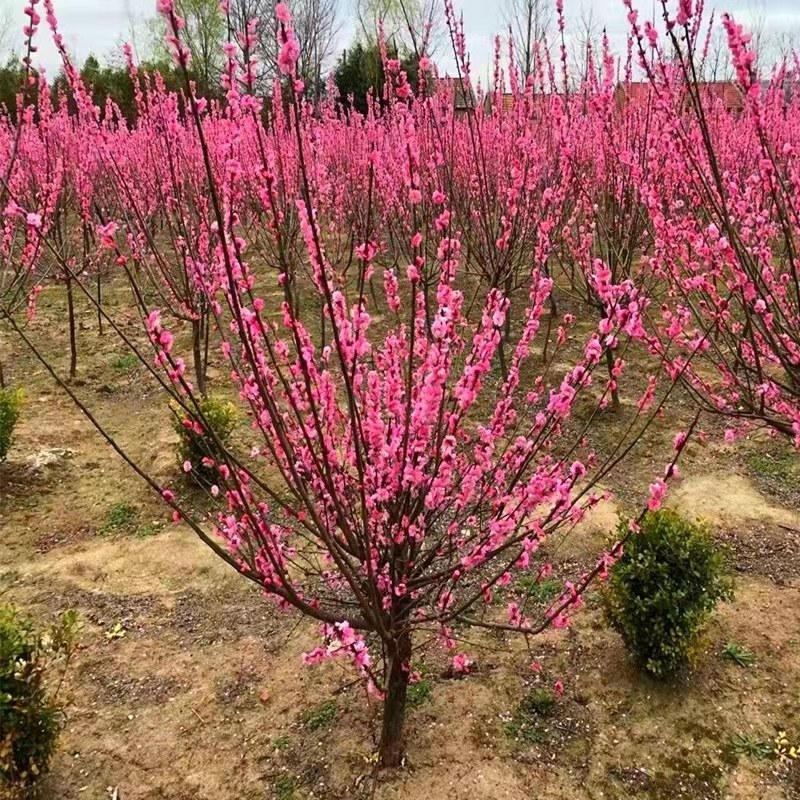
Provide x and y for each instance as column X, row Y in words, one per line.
column 99, row 26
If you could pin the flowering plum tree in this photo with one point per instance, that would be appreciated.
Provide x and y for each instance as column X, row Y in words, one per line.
column 722, row 194
column 398, row 480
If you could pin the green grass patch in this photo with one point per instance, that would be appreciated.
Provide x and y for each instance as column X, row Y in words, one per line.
column 284, row 787
column 420, row 693
column 738, row 654
column 777, row 466
column 526, row 727
column 149, row 530
column 744, row 744
column 523, row 731
column 125, row 363
column 120, row 517
column 538, row 703
column 320, row 716
column 541, row 591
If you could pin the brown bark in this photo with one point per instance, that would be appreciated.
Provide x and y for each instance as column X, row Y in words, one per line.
column 197, row 353
column 614, row 392
column 73, row 345
column 394, row 706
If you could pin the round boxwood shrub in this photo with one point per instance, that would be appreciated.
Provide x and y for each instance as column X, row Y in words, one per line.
column 32, row 665
column 197, row 445
column 663, row 589
column 10, row 405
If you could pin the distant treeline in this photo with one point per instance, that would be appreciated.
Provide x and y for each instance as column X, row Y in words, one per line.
column 105, row 81
column 358, row 71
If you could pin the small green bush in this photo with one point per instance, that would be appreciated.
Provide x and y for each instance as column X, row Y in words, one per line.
column 221, row 417
column 32, row 665
column 663, row 589
column 10, row 405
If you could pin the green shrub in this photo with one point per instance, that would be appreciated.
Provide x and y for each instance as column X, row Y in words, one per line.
column 663, row 589
column 32, row 665
column 221, row 417
column 10, row 405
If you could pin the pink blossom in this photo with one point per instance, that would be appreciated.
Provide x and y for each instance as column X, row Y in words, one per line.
column 288, row 55
column 461, row 665
column 658, row 490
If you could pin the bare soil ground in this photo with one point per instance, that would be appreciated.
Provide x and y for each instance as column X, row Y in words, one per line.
column 188, row 684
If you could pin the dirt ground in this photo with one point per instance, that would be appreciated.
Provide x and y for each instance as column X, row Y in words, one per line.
column 188, row 684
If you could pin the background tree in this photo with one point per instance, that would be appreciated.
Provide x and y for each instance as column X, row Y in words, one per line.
column 203, row 36
column 392, row 481
column 110, row 82
column 265, row 47
column 11, row 77
column 7, row 30
column 414, row 25
column 717, row 63
column 529, row 22
column 586, row 37
column 360, row 72
column 317, row 24
column 757, row 28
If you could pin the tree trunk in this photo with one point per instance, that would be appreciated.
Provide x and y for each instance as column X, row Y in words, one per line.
column 426, row 294
column 394, row 706
column 506, row 338
column 614, row 391
column 197, row 352
column 86, row 247
column 99, row 304
column 73, row 345
column 507, row 322
column 551, row 318
column 501, row 352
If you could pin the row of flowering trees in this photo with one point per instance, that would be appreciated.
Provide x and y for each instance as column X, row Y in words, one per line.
column 386, row 292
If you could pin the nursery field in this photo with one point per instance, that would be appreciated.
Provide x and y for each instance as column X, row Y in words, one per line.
column 419, row 441
column 188, row 684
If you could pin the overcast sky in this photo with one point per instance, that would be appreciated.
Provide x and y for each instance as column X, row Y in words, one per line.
column 100, row 26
